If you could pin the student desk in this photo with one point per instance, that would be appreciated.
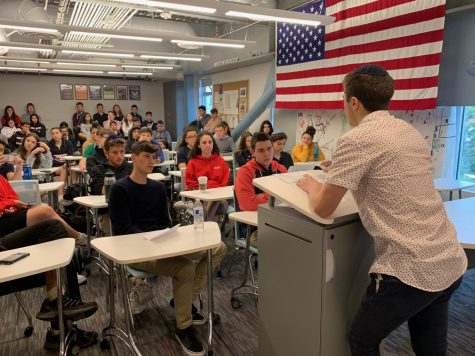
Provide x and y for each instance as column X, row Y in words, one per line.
column 211, row 194
column 52, row 190
column 229, row 158
column 134, row 248
column 449, row 184
column 49, row 172
column 37, row 263
column 462, row 212
column 313, row 271
column 68, row 160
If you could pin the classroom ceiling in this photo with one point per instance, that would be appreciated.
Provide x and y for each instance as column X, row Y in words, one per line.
column 103, row 29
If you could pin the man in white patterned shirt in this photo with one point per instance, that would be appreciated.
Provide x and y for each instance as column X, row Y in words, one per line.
column 387, row 166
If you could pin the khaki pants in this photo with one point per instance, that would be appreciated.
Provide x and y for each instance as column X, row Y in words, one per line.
column 188, row 279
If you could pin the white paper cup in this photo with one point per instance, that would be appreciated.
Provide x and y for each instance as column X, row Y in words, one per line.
column 203, row 183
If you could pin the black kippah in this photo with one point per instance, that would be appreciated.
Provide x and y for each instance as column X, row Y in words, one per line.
column 372, row 69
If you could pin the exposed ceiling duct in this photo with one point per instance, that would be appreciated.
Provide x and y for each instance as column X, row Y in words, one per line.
column 27, row 11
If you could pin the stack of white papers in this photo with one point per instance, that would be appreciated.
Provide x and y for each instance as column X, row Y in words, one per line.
column 152, row 235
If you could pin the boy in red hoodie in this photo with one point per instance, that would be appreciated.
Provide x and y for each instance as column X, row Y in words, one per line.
column 262, row 165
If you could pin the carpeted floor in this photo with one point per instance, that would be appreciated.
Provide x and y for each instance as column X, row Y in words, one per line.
column 235, row 335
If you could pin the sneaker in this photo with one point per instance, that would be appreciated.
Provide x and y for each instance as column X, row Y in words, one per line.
column 139, row 296
column 83, row 339
column 81, row 279
column 73, row 309
column 81, row 240
column 196, row 317
column 188, row 342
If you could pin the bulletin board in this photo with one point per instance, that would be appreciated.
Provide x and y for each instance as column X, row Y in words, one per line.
column 232, row 101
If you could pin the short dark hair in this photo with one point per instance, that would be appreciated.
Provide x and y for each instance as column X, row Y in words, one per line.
column 259, row 137
column 146, row 129
column 104, row 131
column 135, row 118
column 134, row 129
column 143, row 146
column 99, row 104
column 30, row 104
column 134, row 106
column 25, row 123
column 214, row 111
column 160, row 122
column 79, row 103
column 111, row 112
column 63, row 124
column 148, row 113
column 202, row 107
column 54, row 128
column 278, row 136
column 113, row 143
column 371, row 85
column 196, row 150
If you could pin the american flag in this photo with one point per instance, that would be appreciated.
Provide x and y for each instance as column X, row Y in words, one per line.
column 403, row 36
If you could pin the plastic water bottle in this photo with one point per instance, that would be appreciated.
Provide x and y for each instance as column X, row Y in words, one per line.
column 27, row 173
column 198, row 216
column 109, row 179
column 315, row 152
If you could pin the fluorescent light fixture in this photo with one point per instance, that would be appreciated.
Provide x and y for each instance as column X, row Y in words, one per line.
column 146, row 66
column 86, row 64
column 23, row 61
column 26, row 49
column 146, row 56
column 78, row 71
column 112, row 35
column 30, row 29
column 258, row 17
column 24, row 69
column 130, row 73
column 204, row 43
column 99, row 54
column 172, row 6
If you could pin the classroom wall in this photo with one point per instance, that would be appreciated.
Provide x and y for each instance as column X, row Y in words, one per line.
column 43, row 91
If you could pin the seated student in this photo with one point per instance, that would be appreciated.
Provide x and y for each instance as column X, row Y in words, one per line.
column 115, row 129
column 17, row 138
column 243, row 154
column 91, row 140
column 98, row 156
column 118, row 115
column 213, row 121
column 266, row 127
column 127, row 125
column 37, row 127
column 89, row 145
column 148, row 122
column 278, row 143
column 100, row 116
column 204, row 160
column 68, row 133
column 201, row 119
column 10, row 170
column 30, row 110
column 10, row 114
column 137, row 122
column 9, row 129
column 59, row 148
column 73, row 307
column 146, row 134
column 134, row 111
column 187, row 142
column 132, row 211
column 161, row 133
column 85, row 127
column 134, row 135
column 110, row 118
column 35, row 152
column 224, row 142
column 248, row 196
column 114, row 150
column 305, row 150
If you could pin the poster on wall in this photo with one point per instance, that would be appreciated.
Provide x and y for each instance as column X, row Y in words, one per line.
column 95, row 92
column 66, row 91
column 108, row 92
column 121, row 92
column 80, row 91
column 134, row 92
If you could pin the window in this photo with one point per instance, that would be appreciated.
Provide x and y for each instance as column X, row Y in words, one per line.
column 206, row 93
column 466, row 159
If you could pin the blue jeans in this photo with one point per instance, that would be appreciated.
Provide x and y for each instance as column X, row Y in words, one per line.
column 388, row 303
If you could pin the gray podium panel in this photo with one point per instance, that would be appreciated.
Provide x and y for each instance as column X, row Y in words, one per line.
column 311, row 280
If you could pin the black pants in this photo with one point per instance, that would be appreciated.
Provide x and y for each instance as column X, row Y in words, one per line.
column 44, row 231
column 388, row 303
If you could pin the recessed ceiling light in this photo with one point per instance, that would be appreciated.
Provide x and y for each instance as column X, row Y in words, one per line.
column 24, row 69
column 212, row 44
column 130, row 73
column 192, row 59
column 98, row 54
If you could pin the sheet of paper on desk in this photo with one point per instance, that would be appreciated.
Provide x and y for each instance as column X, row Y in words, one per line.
column 152, row 235
column 292, row 178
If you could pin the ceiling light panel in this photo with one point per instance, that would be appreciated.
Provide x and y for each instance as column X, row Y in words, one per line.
column 28, row 49
column 211, row 44
column 79, row 71
column 23, row 61
column 176, row 58
column 180, row 6
column 146, row 66
column 86, row 64
column 30, row 29
column 98, row 54
column 23, row 69
column 269, row 18
column 131, row 73
column 112, row 35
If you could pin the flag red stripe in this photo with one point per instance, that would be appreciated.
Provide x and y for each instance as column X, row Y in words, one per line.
column 367, row 9
column 390, row 23
column 417, row 104
column 401, row 84
column 392, row 64
column 392, row 43
column 331, row 2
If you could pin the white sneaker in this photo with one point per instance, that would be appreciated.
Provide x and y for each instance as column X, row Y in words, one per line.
column 139, row 296
column 81, row 279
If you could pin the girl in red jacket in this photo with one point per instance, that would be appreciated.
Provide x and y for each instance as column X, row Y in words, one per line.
column 206, row 161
